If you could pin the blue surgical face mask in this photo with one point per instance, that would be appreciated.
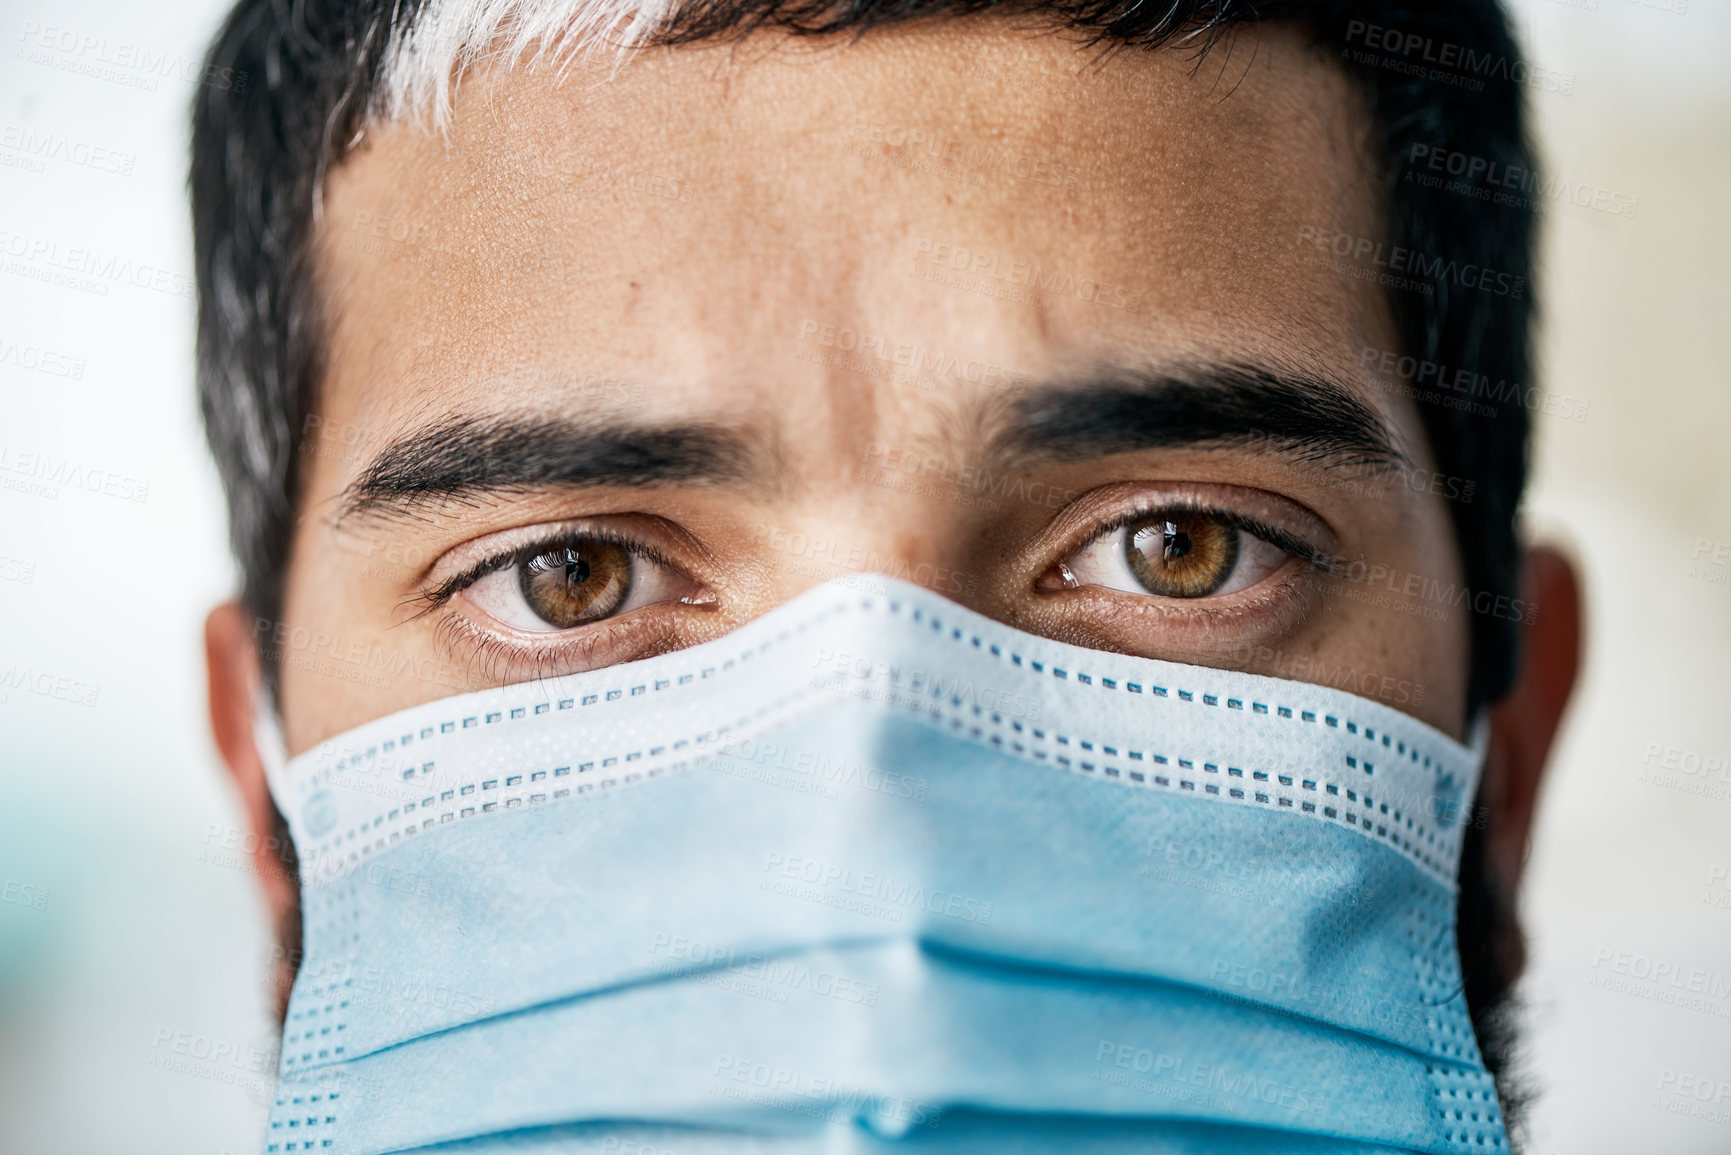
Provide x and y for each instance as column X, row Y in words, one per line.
column 876, row 873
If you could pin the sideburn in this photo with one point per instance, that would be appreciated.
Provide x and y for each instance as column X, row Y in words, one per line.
column 1493, row 954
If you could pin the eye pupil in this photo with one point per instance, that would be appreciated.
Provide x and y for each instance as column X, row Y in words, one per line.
column 584, row 581
column 1177, row 542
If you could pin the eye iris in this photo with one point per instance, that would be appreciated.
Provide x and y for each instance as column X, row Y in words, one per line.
column 576, row 583
column 1181, row 555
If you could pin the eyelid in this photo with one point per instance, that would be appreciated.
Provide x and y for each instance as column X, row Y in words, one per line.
column 1272, row 534
column 1082, row 523
column 529, row 542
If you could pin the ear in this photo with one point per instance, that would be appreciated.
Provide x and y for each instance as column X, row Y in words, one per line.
column 235, row 681
column 1524, row 723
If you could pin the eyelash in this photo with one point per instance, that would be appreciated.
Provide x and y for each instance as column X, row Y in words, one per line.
column 500, row 659
column 1273, row 535
column 436, row 597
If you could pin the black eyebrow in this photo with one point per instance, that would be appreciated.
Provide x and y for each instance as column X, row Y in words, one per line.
column 1116, row 410
column 1310, row 418
column 460, row 458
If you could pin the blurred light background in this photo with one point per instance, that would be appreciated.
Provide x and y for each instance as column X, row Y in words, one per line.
column 133, row 953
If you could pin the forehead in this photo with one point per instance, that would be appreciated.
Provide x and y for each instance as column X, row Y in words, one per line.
column 725, row 222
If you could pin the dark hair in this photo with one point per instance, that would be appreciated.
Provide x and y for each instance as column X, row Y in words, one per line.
column 1439, row 79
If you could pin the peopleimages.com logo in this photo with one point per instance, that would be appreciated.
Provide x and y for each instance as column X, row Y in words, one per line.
column 1423, row 268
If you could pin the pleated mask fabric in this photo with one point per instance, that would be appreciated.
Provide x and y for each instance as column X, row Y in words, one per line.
column 876, row 873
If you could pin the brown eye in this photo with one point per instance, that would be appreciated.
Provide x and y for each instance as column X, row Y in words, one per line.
column 582, row 581
column 1173, row 553
column 575, row 580
column 1181, row 554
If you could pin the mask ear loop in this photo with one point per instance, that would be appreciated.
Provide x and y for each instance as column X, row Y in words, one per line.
column 267, row 739
column 1479, row 738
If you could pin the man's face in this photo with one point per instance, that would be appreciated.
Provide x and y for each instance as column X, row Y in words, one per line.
column 633, row 357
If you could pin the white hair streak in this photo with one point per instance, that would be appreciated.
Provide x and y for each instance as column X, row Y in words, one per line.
column 427, row 59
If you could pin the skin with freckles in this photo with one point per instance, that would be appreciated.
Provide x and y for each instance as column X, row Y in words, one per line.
column 830, row 253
